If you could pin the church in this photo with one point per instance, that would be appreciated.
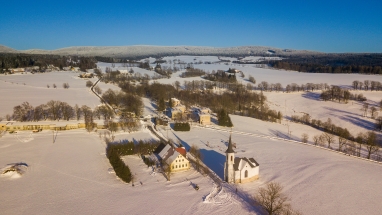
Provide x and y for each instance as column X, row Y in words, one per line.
column 239, row 170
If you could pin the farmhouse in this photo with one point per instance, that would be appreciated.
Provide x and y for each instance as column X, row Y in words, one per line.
column 239, row 170
column 233, row 70
column 86, row 75
column 175, row 102
column 203, row 116
column 173, row 157
column 16, row 70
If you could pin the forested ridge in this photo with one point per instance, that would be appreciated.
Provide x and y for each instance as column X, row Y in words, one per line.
column 332, row 63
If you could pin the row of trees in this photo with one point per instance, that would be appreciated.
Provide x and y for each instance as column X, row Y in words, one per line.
column 344, row 137
column 57, row 110
column 335, row 93
column 367, row 85
column 192, row 72
column 349, row 144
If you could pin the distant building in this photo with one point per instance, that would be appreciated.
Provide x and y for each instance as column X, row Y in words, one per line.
column 232, row 70
column 203, row 116
column 239, row 170
column 174, row 102
column 16, row 70
column 86, row 75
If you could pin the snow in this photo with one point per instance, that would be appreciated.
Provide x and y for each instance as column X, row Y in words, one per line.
column 73, row 175
column 313, row 177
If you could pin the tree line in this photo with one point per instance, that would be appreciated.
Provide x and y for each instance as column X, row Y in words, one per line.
column 346, row 141
column 9, row 60
column 57, row 110
column 333, row 63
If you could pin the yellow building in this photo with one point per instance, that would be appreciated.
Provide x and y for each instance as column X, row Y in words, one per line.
column 175, row 102
column 204, row 119
column 174, row 157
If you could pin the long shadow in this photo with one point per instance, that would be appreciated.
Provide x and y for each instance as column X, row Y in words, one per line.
column 214, row 160
column 341, row 111
column 311, row 95
column 359, row 122
column 154, row 105
column 279, row 134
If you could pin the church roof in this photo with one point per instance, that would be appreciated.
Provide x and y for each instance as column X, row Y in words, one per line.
column 230, row 149
column 239, row 163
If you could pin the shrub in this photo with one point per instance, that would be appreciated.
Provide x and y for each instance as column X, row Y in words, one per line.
column 179, row 126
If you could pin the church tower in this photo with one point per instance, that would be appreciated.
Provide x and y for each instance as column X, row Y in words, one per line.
column 229, row 172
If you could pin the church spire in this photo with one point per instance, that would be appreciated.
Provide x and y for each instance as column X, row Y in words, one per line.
column 230, row 149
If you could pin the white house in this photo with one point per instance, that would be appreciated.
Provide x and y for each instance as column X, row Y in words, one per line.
column 239, row 170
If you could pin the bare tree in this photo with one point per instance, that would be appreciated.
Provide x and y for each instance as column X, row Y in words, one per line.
column 98, row 90
column 54, row 108
column 365, row 107
column 271, row 198
column 373, row 112
column 316, row 139
column 329, row 138
column 168, row 171
column 371, row 143
column 67, row 111
column 77, row 111
column 304, row 137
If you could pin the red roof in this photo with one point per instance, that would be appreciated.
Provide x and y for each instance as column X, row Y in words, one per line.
column 182, row 151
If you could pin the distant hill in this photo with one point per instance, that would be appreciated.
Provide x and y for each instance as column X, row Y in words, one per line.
column 5, row 49
column 144, row 51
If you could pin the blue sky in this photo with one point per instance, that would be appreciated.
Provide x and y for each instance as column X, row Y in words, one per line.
column 328, row 26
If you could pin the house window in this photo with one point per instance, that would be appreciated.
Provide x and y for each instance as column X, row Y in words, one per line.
column 176, row 166
column 172, row 166
column 186, row 165
column 246, row 174
column 182, row 165
column 231, row 157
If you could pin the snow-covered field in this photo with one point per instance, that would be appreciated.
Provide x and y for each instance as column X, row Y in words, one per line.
column 317, row 180
column 32, row 88
column 71, row 175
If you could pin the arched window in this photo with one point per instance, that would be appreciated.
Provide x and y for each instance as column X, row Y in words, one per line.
column 176, row 166
column 246, row 174
column 231, row 157
column 182, row 165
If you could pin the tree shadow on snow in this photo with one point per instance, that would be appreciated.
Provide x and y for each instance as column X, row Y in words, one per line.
column 311, row 95
column 340, row 111
column 359, row 122
column 279, row 134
